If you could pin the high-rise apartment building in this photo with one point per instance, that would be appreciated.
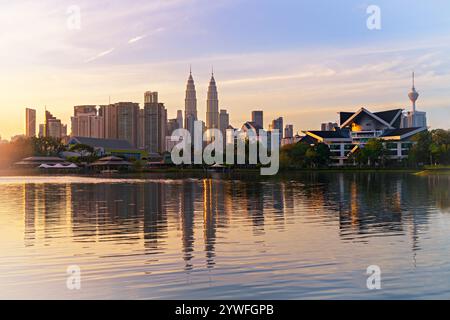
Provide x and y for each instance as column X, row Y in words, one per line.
column 121, row 121
column 109, row 114
column 86, row 122
column 30, row 122
column 85, row 109
column 155, row 126
column 141, row 134
column 53, row 127
column 151, row 97
column 127, row 122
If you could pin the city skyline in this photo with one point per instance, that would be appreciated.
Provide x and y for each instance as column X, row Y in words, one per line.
column 309, row 68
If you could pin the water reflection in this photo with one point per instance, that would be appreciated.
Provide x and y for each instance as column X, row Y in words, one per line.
column 194, row 216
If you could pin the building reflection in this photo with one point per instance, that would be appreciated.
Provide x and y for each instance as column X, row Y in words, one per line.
column 141, row 214
column 188, row 192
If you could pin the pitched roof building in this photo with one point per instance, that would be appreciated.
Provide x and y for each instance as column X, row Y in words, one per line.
column 111, row 147
column 357, row 128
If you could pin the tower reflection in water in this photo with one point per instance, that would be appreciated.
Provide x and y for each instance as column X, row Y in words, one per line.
column 187, row 215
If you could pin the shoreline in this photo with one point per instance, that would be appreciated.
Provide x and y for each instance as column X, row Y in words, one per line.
column 193, row 172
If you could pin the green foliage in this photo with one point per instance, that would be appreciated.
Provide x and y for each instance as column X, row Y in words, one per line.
column 138, row 165
column 83, row 149
column 26, row 147
column 46, row 146
column 374, row 151
column 301, row 155
column 420, row 153
column 440, row 147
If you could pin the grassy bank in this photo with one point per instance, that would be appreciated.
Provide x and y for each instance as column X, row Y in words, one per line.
column 434, row 170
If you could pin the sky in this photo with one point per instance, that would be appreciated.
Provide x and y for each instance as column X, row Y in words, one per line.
column 303, row 60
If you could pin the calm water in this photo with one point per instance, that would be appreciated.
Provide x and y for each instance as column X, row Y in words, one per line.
column 300, row 237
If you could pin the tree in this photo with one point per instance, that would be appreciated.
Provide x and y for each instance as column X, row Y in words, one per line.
column 440, row 146
column 311, row 157
column 374, row 151
column 47, row 146
column 293, row 155
column 84, row 149
column 323, row 154
column 420, row 152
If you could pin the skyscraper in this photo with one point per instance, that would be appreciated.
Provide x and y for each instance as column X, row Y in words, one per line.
column 172, row 125
column 42, row 130
column 128, row 122
column 53, row 127
column 30, row 122
column 87, row 123
column 224, row 122
column 289, row 131
column 190, row 105
column 277, row 124
column 121, row 121
column 141, row 135
column 212, row 105
column 180, row 118
column 150, row 97
column 258, row 118
column 155, row 126
column 85, row 109
column 109, row 114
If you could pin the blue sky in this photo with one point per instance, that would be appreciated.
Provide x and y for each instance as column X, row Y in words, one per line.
column 304, row 60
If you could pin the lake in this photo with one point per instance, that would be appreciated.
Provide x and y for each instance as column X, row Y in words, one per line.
column 298, row 236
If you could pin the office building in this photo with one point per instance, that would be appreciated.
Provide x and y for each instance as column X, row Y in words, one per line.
column 212, row 105
column 190, row 105
column 277, row 124
column 30, row 122
column 41, row 131
column 258, row 118
column 224, row 122
column 289, row 131
column 180, row 118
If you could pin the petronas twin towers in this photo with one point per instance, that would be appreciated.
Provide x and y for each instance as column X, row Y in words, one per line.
column 212, row 105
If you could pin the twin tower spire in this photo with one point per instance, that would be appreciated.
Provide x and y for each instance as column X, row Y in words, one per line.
column 212, row 104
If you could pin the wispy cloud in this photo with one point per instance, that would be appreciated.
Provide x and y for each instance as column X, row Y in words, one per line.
column 139, row 38
column 101, row 54
column 136, row 39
